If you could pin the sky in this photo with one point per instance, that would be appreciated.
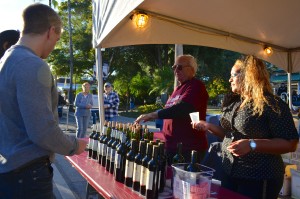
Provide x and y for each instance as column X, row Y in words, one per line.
column 11, row 13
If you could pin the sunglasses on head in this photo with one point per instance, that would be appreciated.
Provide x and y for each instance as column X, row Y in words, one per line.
column 178, row 67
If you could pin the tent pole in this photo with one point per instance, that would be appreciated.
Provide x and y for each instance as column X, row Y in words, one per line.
column 100, row 85
column 289, row 78
column 178, row 51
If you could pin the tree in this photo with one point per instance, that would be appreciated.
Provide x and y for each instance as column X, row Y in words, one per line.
column 84, row 57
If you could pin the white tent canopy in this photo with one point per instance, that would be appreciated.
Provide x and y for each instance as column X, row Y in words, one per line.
column 243, row 26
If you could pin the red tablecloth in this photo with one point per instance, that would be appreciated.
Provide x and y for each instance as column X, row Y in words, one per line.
column 104, row 183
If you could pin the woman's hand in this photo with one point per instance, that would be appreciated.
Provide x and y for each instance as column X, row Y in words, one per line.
column 200, row 126
column 239, row 147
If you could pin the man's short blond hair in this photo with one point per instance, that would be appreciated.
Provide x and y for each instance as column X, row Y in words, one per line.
column 38, row 19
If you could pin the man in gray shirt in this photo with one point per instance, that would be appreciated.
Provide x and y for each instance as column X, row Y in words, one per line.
column 29, row 130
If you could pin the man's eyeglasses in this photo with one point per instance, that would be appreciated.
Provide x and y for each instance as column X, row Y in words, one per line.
column 234, row 75
column 178, row 67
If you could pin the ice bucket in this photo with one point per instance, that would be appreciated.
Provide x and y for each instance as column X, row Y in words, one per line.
column 191, row 185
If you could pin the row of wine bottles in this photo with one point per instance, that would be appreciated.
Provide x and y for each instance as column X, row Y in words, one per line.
column 129, row 153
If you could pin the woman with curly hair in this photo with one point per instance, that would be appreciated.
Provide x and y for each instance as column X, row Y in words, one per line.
column 256, row 127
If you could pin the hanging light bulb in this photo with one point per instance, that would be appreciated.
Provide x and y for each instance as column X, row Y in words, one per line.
column 268, row 51
column 141, row 20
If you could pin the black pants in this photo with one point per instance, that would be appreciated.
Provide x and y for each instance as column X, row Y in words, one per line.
column 256, row 189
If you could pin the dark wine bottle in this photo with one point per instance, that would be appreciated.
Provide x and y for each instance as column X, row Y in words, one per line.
column 101, row 140
column 152, row 181
column 113, row 151
column 162, row 167
column 178, row 158
column 144, row 168
column 193, row 165
column 95, row 143
column 91, row 140
column 108, row 147
column 120, row 160
column 130, row 162
column 137, row 166
column 105, row 141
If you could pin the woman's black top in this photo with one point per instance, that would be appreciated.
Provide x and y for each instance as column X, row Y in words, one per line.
column 241, row 124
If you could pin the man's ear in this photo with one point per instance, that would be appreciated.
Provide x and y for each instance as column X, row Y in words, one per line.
column 5, row 45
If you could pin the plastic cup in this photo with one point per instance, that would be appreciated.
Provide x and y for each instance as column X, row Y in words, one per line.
column 195, row 116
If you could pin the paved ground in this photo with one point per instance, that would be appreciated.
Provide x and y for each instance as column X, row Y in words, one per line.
column 68, row 183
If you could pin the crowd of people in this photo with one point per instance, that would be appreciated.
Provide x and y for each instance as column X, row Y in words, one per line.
column 256, row 126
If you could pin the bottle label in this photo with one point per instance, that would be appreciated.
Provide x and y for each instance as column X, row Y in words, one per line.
column 149, row 183
column 159, row 176
column 108, row 153
column 118, row 161
column 90, row 145
column 136, row 173
column 99, row 148
column 128, row 169
column 95, row 145
column 103, row 149
column 112, row 154
column 104, row 128
column 143, row 175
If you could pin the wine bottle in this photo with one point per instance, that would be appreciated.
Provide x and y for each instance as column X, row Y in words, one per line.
column 152, row 181
column 130, row 162
column 91, row 140
column 145, row 161
column 108, row 147
column 137, row 166
column 120, row 160
column 193, row 165
column 96, row 142
column 162, row 167
column 113, row 151
column 105, row 141
column 178, row 158
column 101, row 140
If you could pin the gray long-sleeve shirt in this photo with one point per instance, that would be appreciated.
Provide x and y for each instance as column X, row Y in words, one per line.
column 28, row 111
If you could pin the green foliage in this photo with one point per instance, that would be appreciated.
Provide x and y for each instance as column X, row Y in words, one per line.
column 216, row 87
column 163, row 81
column 139, row 72
column 83, row 53
column 149, row 108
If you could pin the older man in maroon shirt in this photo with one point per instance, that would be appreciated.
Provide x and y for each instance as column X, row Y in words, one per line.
column 189, row 96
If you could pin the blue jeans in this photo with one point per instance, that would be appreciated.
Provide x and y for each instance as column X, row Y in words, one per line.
column 95, row 115
column 31, row 182
column 82, row 125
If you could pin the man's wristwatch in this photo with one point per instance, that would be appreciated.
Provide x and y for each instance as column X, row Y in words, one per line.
column 252, row 144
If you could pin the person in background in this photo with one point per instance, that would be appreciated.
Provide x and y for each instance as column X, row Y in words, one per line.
column 111, row 102
column 83, row 103
column 190, row 96
column 30, row 133
column 95, row 111
column 61, row 102
column 7, row 39
column 282, row 89
column 256, row 128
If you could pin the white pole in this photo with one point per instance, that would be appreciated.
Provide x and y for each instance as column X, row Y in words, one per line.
column 100, row 85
